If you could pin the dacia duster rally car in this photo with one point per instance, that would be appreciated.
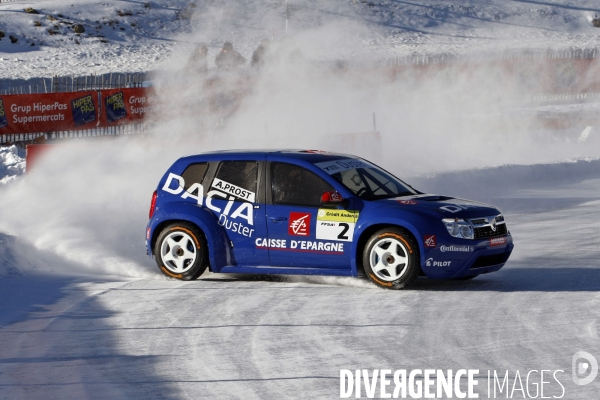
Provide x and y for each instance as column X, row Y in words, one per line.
column 316, row 213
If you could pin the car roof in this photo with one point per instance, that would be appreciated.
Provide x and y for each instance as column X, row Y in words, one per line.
column 313, row 156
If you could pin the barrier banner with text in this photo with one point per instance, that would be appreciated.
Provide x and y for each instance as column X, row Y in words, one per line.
column 122, row 106
column 48, row 112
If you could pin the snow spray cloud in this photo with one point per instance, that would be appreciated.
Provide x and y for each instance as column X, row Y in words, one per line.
column 87, row 203
column 318, row 90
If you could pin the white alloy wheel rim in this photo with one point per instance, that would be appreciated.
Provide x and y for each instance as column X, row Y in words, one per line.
column 178, row 252
column 389, row 259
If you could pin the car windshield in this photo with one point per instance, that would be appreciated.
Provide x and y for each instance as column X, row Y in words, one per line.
column 366, row 180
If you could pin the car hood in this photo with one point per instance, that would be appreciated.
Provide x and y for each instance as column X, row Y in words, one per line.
column 442, row 206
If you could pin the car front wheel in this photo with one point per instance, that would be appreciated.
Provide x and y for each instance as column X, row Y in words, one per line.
column 180, row 251
column 391, row 259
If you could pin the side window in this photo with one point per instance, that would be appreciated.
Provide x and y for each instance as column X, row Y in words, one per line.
column 194, row 173
column 294, row 185
column 237, row 178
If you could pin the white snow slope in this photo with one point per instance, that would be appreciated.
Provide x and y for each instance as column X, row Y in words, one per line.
column 84, row 313
column 131, row 36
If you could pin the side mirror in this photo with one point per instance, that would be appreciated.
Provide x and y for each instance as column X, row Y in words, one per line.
column 333, row 199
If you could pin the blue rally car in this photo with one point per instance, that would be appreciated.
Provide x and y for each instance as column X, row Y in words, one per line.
column 318, row 213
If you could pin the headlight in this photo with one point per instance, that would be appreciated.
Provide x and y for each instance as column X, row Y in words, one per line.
column 459, row 228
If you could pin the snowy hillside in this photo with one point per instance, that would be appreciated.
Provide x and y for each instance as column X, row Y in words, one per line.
column 117, row 36
column 131, row 36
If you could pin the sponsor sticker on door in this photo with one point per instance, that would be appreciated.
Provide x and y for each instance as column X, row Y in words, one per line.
column 299, row 224
column 336, row 224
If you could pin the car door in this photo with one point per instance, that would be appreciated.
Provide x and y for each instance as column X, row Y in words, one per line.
column 235, row 196
column 301, row 232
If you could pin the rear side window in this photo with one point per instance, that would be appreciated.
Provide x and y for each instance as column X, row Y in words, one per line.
column 237, row 178
column 294, row 185
column 194, row 173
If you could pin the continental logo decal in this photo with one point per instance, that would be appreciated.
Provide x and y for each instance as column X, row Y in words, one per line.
column 388, row 284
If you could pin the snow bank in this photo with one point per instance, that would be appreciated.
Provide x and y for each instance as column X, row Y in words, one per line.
column 12, row 163
column 508, row 179
column 86, row 204
column 17, row 257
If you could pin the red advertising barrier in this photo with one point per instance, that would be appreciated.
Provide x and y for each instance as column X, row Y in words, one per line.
column 52, row 112
column 48, row 112
column 33, row 152
column 122, row 106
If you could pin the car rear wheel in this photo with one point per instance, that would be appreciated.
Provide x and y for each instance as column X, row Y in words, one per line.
column 180, row 251
column 391, row 259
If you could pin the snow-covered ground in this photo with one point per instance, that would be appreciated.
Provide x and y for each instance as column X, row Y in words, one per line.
column 84, row 313
column 258, row 338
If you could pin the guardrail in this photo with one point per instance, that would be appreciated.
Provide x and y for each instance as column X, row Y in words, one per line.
column 74, row 114
column 57, row 84
column 531, row 54
column 116, row 104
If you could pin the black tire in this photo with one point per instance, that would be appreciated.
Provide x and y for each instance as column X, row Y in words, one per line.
column 395, row 273
column 180, row 251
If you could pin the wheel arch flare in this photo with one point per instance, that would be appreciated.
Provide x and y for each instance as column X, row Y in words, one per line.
column 365, row 231
column 216, row 240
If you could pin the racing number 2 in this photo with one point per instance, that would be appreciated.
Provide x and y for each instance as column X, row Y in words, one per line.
column 335, row 230
column 345, row 227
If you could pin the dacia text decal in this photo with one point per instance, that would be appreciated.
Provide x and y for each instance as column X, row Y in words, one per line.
column 175, row 185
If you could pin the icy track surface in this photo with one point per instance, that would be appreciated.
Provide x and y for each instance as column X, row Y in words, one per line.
column 269, row 338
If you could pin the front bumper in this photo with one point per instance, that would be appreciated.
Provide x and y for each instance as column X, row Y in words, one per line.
column 462, row 258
